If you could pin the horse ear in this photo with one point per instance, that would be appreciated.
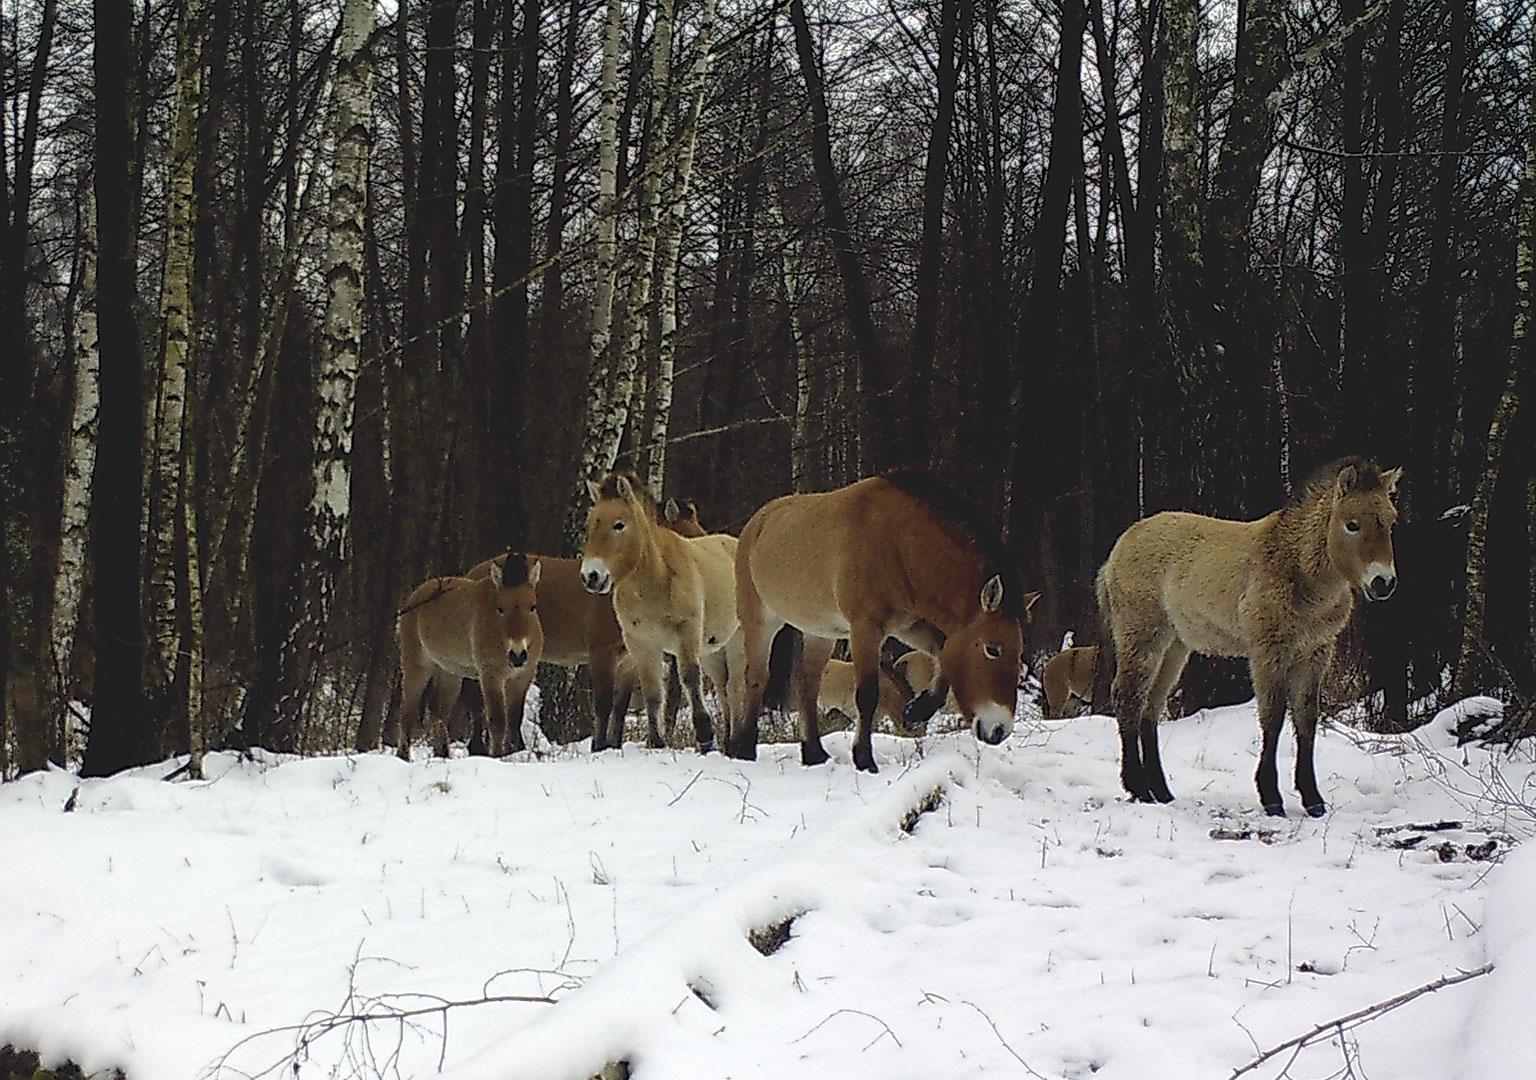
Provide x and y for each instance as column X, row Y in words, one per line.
column 594, row 492
column 622, row 485
column 1349, row 476
column 672, row 512
column 1029, row 601
column 1391, row 478
column 533, row 573
column 497, row 575
column 992, row 593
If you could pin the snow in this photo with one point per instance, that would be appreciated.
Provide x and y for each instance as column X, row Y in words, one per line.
column 1031, row 923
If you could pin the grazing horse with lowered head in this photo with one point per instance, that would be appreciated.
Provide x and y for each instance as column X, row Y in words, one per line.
column 673, row 596
column 1067, row 677
column 897, row 555
column 488, row 629
column 1276, row 591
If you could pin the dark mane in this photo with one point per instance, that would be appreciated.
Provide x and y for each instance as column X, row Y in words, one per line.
column 967, row 524
column 609, row 489
column 1323, row 478
column 514, row 570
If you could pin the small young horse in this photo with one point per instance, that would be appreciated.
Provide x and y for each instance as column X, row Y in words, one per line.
column 459, row 628
column 1277, row 591
column 673, row 595
column 839, row 692
column 1068, row 676
column 580, row 628
column 891, row 556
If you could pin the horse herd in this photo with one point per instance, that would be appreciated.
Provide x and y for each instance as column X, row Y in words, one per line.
column 901, row 556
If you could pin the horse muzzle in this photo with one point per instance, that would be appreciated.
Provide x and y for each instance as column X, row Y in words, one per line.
column 517, row 657
column 595, row 577
column 1380, row 583
column 993, row 723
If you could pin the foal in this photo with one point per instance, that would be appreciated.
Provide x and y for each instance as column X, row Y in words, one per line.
column 1277, row 591
column 460, row 628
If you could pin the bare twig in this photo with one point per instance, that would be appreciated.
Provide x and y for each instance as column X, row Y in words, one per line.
column 1339, row 1025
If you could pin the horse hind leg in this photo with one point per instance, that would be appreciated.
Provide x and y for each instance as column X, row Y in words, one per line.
column 1168, row 674
column 1140, row 660
column 715, row 666
column 815, row 652
column 415, row 686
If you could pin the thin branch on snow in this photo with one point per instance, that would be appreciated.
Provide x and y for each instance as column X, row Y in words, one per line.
column 1339, row 1025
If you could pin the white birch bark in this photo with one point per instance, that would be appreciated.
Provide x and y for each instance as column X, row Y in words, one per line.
column 589, row 466
column 80, row 462
column 800, row 440
column 671, row 249
column 176, row 312
column 350, row 123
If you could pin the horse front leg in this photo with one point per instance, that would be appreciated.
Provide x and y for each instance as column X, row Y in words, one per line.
column 931, row 698
column 864, row 642
column 1270, row 690
column 688, row 672
column 493, row 687
column 517, row 700
column 653, row 688
column 1305, row 697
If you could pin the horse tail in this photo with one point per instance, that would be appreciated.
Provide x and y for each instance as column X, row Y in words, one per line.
column 783, row 667
column 1104, row 662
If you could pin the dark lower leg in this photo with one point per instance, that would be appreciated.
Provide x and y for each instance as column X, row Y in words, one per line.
column 1132, row 778
column 1267, row 778
column 1152, row 762
column 703, row 725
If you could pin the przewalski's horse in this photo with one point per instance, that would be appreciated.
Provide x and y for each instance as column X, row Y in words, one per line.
column 839, row 691
column 682, row 517
column 1276, row 591
column 1068, row 677
column 896, row 555
column 463, row 628
column 580, row 628
column 673, row 595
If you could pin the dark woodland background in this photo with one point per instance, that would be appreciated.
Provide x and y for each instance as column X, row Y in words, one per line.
column 1085, row 261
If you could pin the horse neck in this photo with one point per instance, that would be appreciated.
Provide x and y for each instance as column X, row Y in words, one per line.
column 947, row 600
column 1303, row 540
column 649, row 560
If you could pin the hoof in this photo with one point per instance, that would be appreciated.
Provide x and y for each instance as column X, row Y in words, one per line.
column 864, row 759
column 741, row 753
column 1162, row 795
column 655, row 742
column 1317, row 809
column 707, row 747
column 813, row 753
column 1274, row 809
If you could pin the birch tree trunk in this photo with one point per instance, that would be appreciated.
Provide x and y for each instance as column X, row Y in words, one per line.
column 80, row 462
column 670, row 253
column 351, row 125
column 171, row 449
column 1471, row 667
column 800, row 439
column 595, row 420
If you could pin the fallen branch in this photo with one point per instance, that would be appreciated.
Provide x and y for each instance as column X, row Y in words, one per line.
column 1361, row 1016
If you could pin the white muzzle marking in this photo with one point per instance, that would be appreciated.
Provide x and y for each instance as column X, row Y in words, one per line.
column 993, row 723
column 595, row 577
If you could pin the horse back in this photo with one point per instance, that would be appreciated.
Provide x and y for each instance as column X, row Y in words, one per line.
column 440, row 621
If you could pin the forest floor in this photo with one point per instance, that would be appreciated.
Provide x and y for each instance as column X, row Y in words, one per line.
column 1025, row 922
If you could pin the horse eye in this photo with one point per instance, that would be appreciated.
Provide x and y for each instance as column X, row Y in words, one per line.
column 994, row 652
column 1352, row 526
column 501, row 610
column 618, row 526
column 533, row 607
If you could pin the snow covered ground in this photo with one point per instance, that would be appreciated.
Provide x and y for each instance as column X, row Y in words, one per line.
column 1030, row 923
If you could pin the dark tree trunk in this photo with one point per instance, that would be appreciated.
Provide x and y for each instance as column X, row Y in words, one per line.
column 931, row 250
column 480, row 354
column 880, row 438
column 121, row 735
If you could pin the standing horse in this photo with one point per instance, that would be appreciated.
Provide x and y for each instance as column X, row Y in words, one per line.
column 1067, row 676
column 673, row 595
column 1276, row 591
column 581, row 628
column 459, row 628
column 682, row 517
column 895, row 555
